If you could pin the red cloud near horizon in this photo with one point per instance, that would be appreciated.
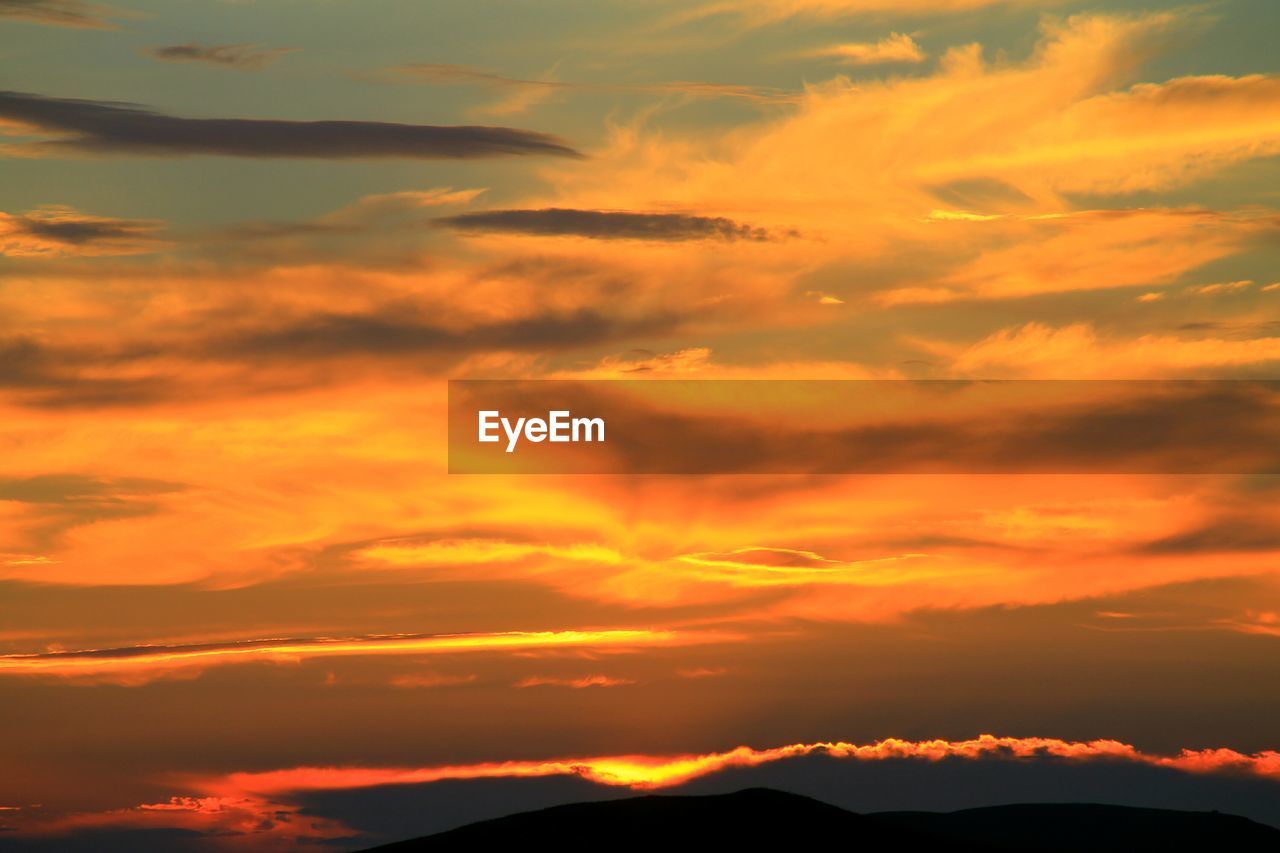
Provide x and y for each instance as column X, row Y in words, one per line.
column 234, row 809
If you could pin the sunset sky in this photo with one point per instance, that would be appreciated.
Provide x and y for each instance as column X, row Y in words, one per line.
column 244, row 245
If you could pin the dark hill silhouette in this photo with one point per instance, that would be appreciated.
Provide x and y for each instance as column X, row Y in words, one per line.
column 756, row 818
column 1061, row 827
column 759, row 818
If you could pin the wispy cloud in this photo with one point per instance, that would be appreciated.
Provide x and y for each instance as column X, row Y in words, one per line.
column 524, row 93
column 455, row 552
column 757, row 13
column 893, row 48
column 1079, row 350
column 246, row 57
column 418, row 681
column 378, row 213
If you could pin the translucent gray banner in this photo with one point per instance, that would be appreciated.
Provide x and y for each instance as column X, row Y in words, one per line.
column 863, row 426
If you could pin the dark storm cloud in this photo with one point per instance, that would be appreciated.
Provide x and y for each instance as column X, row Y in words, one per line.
column 79, row 489
column 110, row 839
column 1237, row 330
column 61, row 502
column 24, row 361
column 1221, row 536
column 978, row 193
column 98, row 127
column 79, row 230
column 605, row 225
column 247, row 57
column 66, row 13
column 48, row 376
column 63, row 377
column 393, row 333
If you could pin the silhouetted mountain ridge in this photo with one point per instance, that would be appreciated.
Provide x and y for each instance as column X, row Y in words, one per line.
column 759, row 818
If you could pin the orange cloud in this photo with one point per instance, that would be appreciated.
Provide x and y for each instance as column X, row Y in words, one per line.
column 1078, row 351
column 786, row 566
column 1067, row 119
column 1153, row 135
column 576, row 683
column 261, row 403
column 642, row 772
column 896, row 47
column 1220, row 287
column 282, row 481
column 1086, row 250
column 453, row 552
column 762, row 12
column 235, row 823
column 431, row 680
column 698, row 363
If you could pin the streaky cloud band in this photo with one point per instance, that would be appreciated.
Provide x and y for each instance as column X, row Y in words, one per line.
column 605, row 225
column 83, row 127
column 139, row 664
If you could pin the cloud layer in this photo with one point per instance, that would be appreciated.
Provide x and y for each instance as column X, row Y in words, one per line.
column 66, row 13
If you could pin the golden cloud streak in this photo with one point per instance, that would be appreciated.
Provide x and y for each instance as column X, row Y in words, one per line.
column 150, row 662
